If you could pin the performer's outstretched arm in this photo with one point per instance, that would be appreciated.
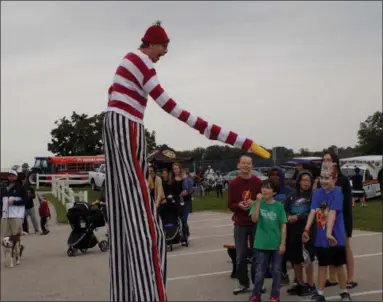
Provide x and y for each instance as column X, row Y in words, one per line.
column 146, row 75
column 152, row 86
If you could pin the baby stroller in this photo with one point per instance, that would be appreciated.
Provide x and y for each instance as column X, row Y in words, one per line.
column 170, row 216
column 83, row 220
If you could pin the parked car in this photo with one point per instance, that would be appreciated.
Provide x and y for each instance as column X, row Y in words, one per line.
column 233, row 174
column 97, row 178
column 263, row 170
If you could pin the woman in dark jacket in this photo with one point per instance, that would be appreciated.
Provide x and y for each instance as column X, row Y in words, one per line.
column 344, row 183
column 166, row 205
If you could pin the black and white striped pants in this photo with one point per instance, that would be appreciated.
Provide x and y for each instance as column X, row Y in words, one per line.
column 137, row 256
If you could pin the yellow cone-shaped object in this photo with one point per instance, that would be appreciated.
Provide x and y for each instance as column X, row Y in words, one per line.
column 258, row 150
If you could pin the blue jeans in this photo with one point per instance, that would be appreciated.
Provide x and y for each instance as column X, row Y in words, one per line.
column 262, row 259
column 242, row 236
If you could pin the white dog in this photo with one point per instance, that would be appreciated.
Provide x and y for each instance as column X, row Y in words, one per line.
column 10, row 245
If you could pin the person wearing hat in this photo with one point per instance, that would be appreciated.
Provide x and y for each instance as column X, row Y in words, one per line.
column 13, row 198
column 137, row 241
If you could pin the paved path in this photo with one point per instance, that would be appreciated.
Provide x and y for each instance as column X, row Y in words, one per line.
column 197, row 273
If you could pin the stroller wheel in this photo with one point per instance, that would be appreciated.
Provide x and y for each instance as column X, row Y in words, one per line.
column 71, row 252
column 103, row 245
column 83, row 250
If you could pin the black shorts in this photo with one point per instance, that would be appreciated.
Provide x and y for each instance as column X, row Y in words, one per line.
column 359, row 194
column 294, row 248
column 334, row 256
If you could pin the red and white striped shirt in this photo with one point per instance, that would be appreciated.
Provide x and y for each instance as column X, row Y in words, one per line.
column 136, row 79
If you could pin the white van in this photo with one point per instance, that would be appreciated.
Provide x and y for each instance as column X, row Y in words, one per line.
column 369, row 168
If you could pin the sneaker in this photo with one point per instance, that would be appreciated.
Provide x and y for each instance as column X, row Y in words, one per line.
column 18, row 261
column 255, row 299
column 295, row 290
column 285, row 279
column 345, row 297
column 240, row 289
column 330, row 284
column 273, row 299
column 318, row 298
column 307, row 290
column 25, row 234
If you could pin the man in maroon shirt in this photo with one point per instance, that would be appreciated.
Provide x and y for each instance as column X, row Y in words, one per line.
column 241, row 193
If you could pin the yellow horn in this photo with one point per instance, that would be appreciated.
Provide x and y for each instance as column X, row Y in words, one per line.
column 258, row 150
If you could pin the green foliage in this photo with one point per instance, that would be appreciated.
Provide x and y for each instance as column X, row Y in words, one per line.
column 370, row 135
column 82, row 135
column 150, row 140
column 79, row 135
column 59, row 208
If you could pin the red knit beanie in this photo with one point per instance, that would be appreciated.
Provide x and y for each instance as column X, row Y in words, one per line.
column 155, row 34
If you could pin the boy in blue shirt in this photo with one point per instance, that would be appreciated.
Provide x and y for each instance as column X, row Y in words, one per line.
column 327, row 209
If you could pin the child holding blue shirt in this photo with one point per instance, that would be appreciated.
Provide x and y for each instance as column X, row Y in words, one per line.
column 327, row 210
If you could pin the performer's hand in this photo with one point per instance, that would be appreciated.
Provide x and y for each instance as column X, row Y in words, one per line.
column 258, row 150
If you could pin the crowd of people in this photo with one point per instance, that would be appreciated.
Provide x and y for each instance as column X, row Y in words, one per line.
column 172, row 186
column 17, row 204
column 297, row 225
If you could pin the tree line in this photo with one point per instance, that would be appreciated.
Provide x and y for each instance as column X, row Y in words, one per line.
column 81, row 134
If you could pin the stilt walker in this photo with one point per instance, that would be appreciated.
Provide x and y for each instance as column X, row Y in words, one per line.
column 137, row 242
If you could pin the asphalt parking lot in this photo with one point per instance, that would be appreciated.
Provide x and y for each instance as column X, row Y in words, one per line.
column 200, row 272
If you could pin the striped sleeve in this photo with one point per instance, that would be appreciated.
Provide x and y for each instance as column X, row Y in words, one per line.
column 151, row 86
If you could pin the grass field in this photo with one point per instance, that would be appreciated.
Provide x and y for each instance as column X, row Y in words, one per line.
column 59, row 207
column 368, row 218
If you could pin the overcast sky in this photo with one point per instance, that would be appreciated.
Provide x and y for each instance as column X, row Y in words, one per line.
column 294, row 74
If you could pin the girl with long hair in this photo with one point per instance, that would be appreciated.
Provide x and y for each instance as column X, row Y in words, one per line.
column 181, row 196
column 155, row 187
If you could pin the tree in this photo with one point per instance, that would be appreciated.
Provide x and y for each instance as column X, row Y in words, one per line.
column 283, row 153
column 15, row 167
column 304, row 152
column 79, row 135
column 150, row 140
column 370, row 135
column 198, row 153
column 25, row 167
column 82, row 135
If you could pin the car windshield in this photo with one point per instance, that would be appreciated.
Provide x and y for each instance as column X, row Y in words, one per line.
column 349, row 172
column 37, row 163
